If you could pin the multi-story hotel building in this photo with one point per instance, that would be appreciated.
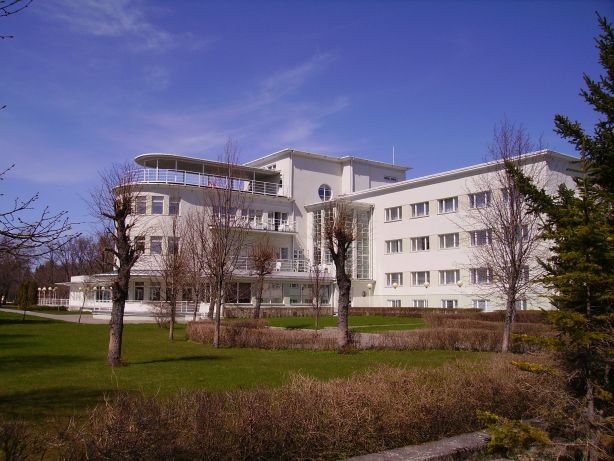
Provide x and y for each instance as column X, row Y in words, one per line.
column 414, row 237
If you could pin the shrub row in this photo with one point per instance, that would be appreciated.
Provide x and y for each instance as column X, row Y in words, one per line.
column 256, row 334
column 266, row 312
column 309, row 419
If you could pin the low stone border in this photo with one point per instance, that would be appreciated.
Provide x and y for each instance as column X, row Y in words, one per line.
column 453, row 448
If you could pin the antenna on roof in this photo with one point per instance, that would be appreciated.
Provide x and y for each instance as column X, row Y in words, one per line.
column 393, row 155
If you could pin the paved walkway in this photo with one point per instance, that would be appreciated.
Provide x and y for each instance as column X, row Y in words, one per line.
column 73, row 318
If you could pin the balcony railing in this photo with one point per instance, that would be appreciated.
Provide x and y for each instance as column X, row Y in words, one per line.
column 189, row 178
column 245, row 263
column 277, row 225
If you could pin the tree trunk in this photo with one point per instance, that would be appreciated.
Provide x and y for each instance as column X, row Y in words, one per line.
column 212, row 304
column 259, row 289
column 344, row 284
column 196, row 303
column 510, row 314
column 171, row 324
column 116, row 327
column 218, row 322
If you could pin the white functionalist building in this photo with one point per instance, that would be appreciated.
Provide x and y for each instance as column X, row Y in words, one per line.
column 414, row 237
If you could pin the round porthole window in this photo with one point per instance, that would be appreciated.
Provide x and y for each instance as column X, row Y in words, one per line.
column 324, row 192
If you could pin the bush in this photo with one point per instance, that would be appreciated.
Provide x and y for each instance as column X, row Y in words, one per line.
column 255, row 333
column 381, row 409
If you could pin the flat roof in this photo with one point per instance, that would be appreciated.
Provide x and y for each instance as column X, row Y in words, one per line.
column 448, row 174
column 200, row 165
column 331, row 158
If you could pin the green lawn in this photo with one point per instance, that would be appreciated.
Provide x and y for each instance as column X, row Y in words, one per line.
column 363, row 324
column 52, row 369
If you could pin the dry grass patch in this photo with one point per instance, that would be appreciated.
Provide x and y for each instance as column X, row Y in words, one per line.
column 385, row 408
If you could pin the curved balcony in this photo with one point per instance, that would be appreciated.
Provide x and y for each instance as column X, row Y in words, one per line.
column 189, row 178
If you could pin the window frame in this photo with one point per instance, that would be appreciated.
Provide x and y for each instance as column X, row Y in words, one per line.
column 482, row 199
column 388, row 214
column 414, row 243
column 414, row 208
column 390, row 246
column 155, row 201
column 455, row 238
column 443, row 277
column 441, row 202
column 415, row 275
column 394, row 277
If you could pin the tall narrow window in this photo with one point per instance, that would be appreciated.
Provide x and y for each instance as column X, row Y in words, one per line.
column 155, row 245
column 139, row 291
column 139, row 244
column 141, row 205
column 157, row 204
column 173, row 206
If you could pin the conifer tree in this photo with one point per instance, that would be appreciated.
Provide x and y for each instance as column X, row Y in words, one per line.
column 578, row 223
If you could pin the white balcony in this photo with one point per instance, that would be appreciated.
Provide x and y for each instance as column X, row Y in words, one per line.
column 189, row 178
column 274, row 225
column 245, row 263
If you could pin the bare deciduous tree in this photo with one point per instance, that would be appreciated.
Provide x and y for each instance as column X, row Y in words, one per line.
column 262, row 258
column 194, row 260
column 113, row 203
column 172, row 267
column 221, row 232
column 506, row 241
column 339, row 233
column 20, row 236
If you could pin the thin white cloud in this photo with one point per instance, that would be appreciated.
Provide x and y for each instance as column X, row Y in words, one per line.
column 272, row 114
column 115, row 19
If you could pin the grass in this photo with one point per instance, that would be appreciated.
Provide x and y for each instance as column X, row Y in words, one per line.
column 362, row 324
column 54, row 369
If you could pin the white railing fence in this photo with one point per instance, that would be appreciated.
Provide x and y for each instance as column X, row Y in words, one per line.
column 56, row 302
column 188, row 178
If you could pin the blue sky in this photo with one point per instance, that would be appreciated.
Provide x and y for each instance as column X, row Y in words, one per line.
column 90, row 82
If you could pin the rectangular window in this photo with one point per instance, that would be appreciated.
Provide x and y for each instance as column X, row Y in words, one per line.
column 155, row 245
column 524, row 274
column 394, row 246
column 139, row 291
column 173, row 206
column 283, row 253
column 449, row 241
column 522, row 305
column 479, row 199
column 139, row 244
column 154, row 291
column 240, row 293
column 419, row 303
column 157, row 204
column 524, row 232
column 141, row 205
column 449, row 277
column 419, row 210
column 328, row 257
column 448, row 205
column 481, row 304
column 394, row 277
column 420, row 278
column 449, row 303
column 172, row 245
column 481, row 237
column 420, row 244
column 393, row 303
column 394, row 214
column 481, row 276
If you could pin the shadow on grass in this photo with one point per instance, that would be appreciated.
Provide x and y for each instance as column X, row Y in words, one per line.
column 16, row 320
column 14, row 339
column 186, row 358
column 51, row 403
column 16, row 363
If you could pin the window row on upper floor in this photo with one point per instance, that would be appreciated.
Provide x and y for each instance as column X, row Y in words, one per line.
column 444, row 205
column 477, row 276
column 156, row 205
column 451, row 240
column 452, row 303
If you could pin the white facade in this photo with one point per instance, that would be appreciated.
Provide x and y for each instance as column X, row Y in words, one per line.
column 410, row 231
